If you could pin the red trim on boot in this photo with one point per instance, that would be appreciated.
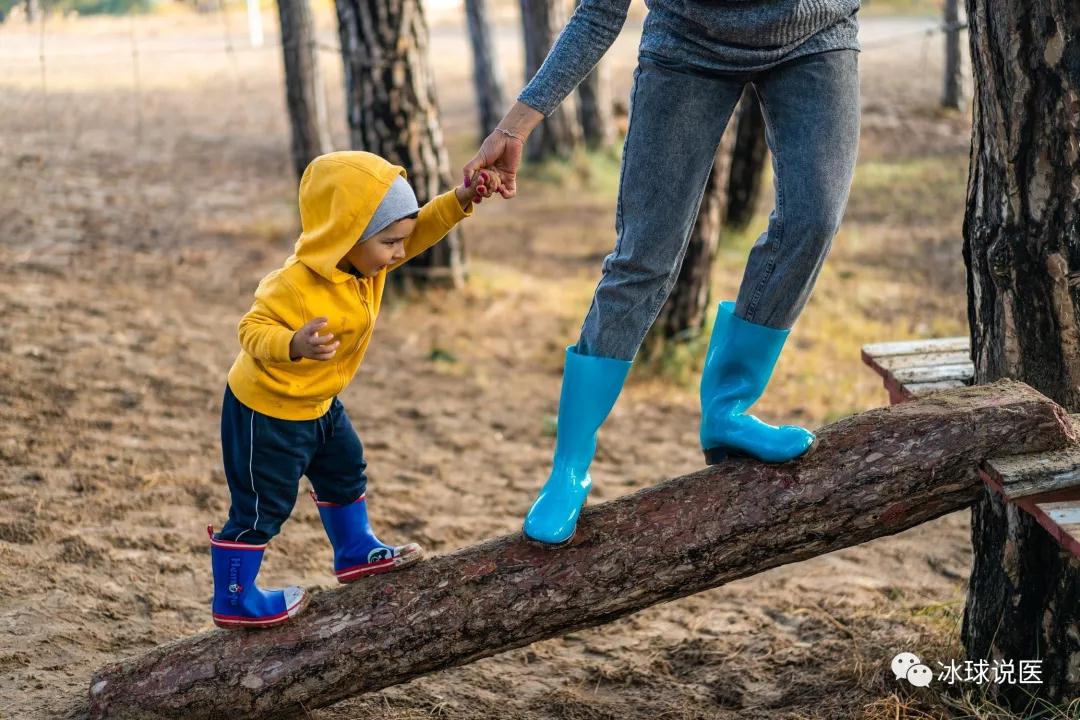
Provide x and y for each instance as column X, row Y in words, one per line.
column 235, row 621
column 230, row 544
column 358, row 571
column 324, row 503
column 410, row 554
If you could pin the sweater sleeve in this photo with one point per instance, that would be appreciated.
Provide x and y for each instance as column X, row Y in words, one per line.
column 437, row 218
column 592, row 29
column 265, row 332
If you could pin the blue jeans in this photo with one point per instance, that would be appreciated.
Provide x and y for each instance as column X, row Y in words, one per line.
column 265, row 457
column 677, row 115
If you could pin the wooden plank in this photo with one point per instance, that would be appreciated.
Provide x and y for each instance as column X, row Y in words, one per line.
column 1046, row 485
column 916, row 347
column 934, row 359
column 941, row 373
column 1062, row 520
column 918, row 390
column 1039, row 476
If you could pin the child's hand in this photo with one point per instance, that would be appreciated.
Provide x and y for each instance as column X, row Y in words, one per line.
column 308, row 343
column 483, row 184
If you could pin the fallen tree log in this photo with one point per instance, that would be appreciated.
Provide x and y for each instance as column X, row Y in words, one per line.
column 870, row 475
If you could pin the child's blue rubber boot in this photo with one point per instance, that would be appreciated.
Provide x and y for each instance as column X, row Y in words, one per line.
column 238, row 601
column 357, row 552
column 738, row 366
column 589, row 390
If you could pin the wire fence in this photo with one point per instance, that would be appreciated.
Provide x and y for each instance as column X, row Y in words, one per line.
column 120, row 89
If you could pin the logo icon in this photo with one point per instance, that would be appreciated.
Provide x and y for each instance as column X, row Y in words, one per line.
column 907, row 666
column 379, row 554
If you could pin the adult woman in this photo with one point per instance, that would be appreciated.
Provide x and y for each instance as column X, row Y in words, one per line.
column 695, row 58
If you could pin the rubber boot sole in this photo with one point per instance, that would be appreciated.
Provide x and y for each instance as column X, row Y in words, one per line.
column 716, row 455
column 547, row 545
column 253, row 624
column 396, row 563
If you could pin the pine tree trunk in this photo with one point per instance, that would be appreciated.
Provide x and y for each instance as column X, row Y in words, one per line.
column 304, row 94
column 595, row 109
column 1022, row 252
column 683, row 315
column 390, row 99
column 952, row 95
column 748, row 160
column 487, row 70
column 872, row 474
column 560, row 132
column 594, row 106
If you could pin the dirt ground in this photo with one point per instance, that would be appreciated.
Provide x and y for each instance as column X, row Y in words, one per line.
column 147, row 189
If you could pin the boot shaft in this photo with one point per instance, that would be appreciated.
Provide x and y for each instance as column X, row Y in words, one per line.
column 235, row 567
column 739, row 361
column 348, row 528
column 590, row 387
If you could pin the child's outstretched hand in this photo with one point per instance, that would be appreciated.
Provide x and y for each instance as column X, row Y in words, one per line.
column 483, row 184
column 486, row 183
column 308, row 343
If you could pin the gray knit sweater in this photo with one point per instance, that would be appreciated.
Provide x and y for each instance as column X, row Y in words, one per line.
column 723, row 35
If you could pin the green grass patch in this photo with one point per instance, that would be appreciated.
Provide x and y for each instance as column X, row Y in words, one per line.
column 592, row 171
column 916, row 191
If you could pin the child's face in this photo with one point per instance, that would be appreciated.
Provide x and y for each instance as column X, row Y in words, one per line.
column 385, row 247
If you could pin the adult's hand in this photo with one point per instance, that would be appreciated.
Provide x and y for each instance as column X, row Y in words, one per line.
column 501, row 151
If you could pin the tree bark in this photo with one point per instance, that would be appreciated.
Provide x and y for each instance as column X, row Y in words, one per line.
column 560, row 132
column 487, row 70
column 595, row 110
column 870, row 475
column 952, row 95
column 304, row 93
column 748, row 159
column 1022, row 251
column 392, row 111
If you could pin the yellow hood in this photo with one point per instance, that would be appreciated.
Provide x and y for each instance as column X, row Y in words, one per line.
column 339, row 194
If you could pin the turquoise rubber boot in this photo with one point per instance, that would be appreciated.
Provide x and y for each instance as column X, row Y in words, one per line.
column 738, row 366
column 589, row 390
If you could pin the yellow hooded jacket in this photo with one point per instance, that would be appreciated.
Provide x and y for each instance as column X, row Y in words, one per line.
column 338, row 196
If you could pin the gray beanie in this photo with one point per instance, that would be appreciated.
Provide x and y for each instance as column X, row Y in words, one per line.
column 400, row 202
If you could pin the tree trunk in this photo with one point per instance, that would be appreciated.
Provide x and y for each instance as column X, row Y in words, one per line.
column 872, row 474
column 304, row 94
column 560, row 132
column 952, row 95
column 390, row 98
column 595, row 108
column 1022, row 252
column 487, row 70
column 33, row 10
column 748, row 160
column 683, row 314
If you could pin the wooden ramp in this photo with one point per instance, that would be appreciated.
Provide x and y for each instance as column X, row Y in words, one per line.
column 869, row 475
column 914, row 368
column 1047, row 485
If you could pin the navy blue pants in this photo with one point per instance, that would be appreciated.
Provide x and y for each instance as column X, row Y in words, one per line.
column 265, row 457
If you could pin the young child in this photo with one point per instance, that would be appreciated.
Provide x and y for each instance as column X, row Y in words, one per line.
column 302, row 342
